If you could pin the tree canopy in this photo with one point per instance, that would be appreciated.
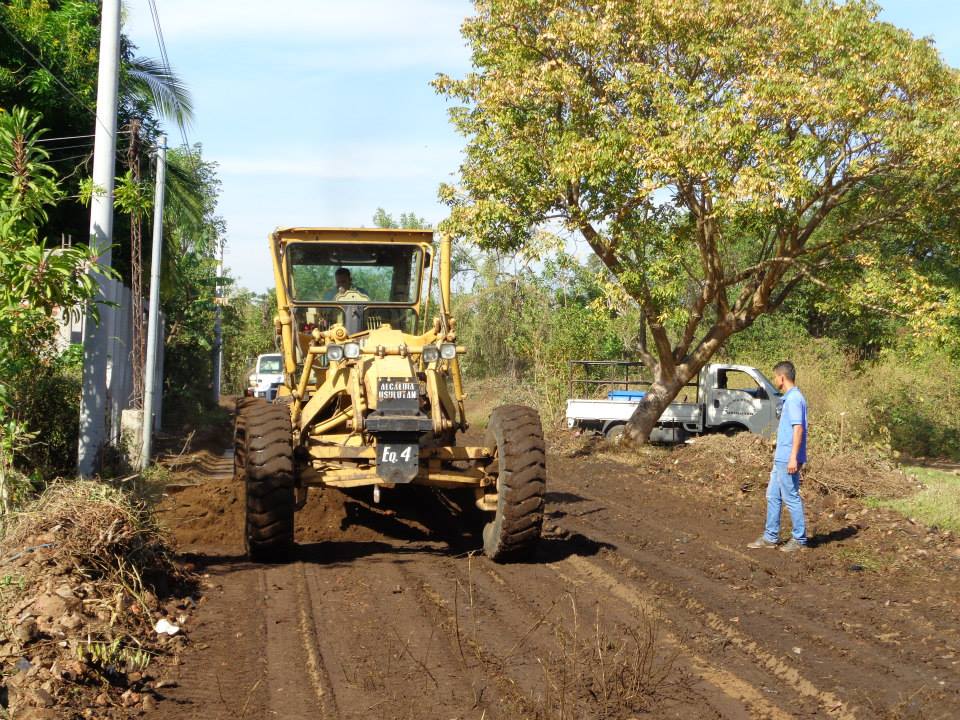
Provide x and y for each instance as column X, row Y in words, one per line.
column 715, row 156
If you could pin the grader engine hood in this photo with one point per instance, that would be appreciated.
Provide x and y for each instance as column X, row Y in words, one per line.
column 393, row 393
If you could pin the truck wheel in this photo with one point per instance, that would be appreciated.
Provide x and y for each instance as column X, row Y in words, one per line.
column 615, row 433
column 517, row 435
column 263, row 459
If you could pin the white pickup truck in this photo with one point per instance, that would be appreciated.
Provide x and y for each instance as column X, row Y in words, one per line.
column 728, row 398
column 267, row 376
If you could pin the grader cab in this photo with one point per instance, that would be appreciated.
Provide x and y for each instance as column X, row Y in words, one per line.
column 373, row 395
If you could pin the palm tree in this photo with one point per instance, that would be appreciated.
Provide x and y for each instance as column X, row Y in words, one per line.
column 149, row 85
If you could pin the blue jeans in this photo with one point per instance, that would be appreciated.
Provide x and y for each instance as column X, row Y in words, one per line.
column 784, row 489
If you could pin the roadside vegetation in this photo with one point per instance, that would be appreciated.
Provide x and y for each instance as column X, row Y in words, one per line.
column 85, row 561
column 936, row 505
column 47, row 91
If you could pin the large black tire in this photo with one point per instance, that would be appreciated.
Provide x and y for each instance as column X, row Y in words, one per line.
column 263, row 461
column 521, row 461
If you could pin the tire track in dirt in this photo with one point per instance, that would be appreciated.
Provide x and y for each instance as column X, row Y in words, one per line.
column 382, row 647
column 319, row 678
column 725, row 681
column 379, row 618
column 727, row 694
column 692, row 590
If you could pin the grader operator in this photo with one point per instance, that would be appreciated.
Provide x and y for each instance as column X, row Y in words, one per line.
column 373, row 395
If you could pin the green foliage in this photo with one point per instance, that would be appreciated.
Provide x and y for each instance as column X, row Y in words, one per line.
column 193, row 235
column 937, row 504
column 912, row 402
column 39, row 387
column 407, row 221
column 527, row 322
column 64, row 37
column 248, row 331
column 899, row 401
column 716, row 156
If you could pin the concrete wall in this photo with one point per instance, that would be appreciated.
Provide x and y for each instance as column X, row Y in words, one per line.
column 119, row 380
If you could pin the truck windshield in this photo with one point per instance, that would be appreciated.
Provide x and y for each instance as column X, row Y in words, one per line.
column 270, row 364
column 353, row 273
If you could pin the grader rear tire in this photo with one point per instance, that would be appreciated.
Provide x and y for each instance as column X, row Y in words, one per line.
column 263, row 459
column 513, row 533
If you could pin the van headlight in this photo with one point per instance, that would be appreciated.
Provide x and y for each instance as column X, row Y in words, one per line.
column 448, row 351
column 335, row 352
column 351, row 350
column 430, row 354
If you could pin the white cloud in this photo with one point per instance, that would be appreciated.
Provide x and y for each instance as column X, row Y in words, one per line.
column 426, row 28
column 349, row 161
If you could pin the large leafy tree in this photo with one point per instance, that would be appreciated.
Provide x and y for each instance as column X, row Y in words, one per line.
column 716, row 156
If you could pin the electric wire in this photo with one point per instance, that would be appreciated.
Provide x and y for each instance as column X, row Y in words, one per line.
column 60, row 148
column 165, row 58
column 52, row 74
column 66, row 137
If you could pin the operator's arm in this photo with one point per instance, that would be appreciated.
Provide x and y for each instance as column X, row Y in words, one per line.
column 793, row 465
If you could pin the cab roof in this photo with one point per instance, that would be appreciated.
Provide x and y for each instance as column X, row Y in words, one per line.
column 377, row 235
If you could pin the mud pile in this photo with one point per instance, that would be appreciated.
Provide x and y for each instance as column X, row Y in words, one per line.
column 93, row 607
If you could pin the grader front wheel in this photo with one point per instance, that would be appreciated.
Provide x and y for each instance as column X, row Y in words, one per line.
column 514, row 531
column 264, row 461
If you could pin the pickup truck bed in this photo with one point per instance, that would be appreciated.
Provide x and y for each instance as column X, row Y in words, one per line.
column 589, row 411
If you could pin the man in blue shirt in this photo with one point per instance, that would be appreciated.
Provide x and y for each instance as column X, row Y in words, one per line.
column 788, row 460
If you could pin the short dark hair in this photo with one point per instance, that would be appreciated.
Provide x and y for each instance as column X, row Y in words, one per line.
column 786, row 368
column 342, row 271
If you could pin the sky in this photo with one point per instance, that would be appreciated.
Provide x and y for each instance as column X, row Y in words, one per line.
column 320, row 111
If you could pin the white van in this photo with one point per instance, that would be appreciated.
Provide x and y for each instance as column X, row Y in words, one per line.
column 267, row 376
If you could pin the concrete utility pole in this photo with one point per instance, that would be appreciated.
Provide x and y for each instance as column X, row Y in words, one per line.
column 93, row 400
column 218, row 333
column 153, row 323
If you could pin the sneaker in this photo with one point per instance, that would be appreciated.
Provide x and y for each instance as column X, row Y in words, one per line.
column 762, row 542
column 792, row 546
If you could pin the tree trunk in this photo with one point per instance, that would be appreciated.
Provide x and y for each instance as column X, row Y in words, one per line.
column 645, row 417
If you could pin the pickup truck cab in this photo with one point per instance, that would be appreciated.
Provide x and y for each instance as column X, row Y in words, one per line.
column 267, row 376
column 727, row 398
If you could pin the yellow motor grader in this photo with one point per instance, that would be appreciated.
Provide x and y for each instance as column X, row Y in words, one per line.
column 373, row 395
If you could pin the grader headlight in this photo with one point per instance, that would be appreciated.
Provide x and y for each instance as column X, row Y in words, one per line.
column 431, row 353
column 448, row 351
column 351, row 350
column 335, row 352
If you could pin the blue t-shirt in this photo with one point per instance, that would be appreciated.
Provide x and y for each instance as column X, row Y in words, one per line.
column 794, row 413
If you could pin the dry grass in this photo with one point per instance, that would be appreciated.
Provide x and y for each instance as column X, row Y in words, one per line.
column 89, row 572
column 594, row 672
column 96, row 529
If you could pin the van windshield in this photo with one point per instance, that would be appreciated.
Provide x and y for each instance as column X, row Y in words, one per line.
column 270, row 364
column 352, row 273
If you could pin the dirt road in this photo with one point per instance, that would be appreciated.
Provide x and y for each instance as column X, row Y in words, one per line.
column 642, row 601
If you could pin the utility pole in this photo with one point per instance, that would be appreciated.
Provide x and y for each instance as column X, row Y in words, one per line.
column 153, row 323
column 218, row 332
column 93, row 398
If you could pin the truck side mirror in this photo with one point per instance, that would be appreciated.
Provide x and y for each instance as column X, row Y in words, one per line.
column 762, row 394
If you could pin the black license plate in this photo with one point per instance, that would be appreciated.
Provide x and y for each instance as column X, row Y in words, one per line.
column 398, row 462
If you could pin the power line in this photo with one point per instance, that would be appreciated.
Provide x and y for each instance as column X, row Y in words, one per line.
column 59, row 148
column 164, row 57
column 52, row 74
column 65, row 137
column 88, row 138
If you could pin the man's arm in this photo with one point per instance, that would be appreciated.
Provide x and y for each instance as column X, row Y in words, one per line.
column 793, row 465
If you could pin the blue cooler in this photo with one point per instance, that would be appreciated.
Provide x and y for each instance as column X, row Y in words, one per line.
column 626, row 395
